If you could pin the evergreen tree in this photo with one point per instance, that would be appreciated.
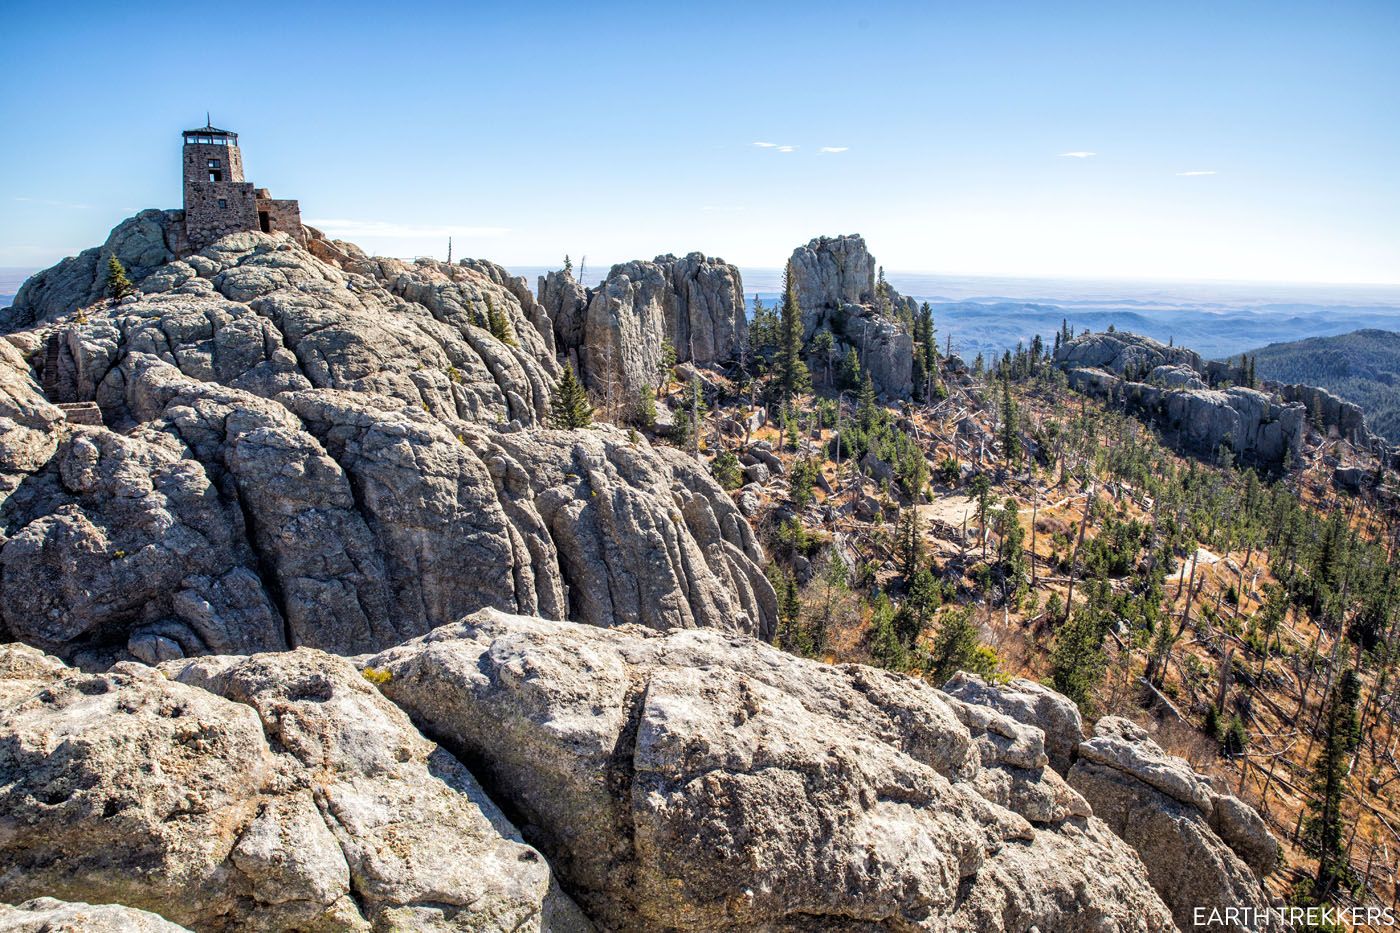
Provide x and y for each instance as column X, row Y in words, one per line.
column 958, row 647
column 763, row 329
column 793, row 378
column 801, row 478
column 824, row 346
column 867, row 407
column 911, row 544
column 726, row 470
column 1077, row 661
column 791, row 636
column 849, row 376
column 665, row 365
column 498, row 323
column 644, row 413
column 1325, row 830
column 118, row 285
column 570, row 408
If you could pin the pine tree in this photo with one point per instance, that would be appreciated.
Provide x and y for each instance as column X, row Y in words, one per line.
column 801, row 478
column 793, row 378
column 570, row 408
column 666, row 365
column 791, row 636
column 849, row 376
column 1325, row 830
column 118, row 285
column 726, row 470
column 644, row 413
column 824, row 346
column 1077, row 661
column 911, row 544
column 958, row 647
column 498, row 323
column 867, row 407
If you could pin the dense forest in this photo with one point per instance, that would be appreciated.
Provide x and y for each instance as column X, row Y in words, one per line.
column 1362, row 367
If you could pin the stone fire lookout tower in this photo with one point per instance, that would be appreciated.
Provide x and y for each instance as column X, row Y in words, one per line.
column 217, row 199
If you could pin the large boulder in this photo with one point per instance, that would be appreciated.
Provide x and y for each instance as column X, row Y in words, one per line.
column 702, row 781
column 47, row 915
column 313, row 446
column 274, row 792
column 1028, row 702
column 617, row 331
column 1202, row 849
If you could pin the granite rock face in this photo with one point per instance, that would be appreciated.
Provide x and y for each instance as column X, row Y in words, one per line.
column 46, row 915
column 1334, row 414
column 311, row 446
column 1033, row 704
column 703, row 781
column 1166, row 385
column 1201, row 848
column 835, row 282
column 280, row 791
column 616, row 332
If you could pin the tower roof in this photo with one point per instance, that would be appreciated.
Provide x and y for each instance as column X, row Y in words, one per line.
column 208, row 130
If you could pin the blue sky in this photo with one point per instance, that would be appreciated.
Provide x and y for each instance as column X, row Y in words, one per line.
column 627, row 130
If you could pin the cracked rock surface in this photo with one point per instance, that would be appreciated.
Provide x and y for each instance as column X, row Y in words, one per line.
column 701, row 781
column 279, row 791
column 312, row 446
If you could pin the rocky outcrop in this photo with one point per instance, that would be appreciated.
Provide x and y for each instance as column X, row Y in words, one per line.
column 1332, row 414
column 1123, row 354
column 835, row 282
column 702, row 781
column 279, row 791
column 616, row 332
column 1028, row 702
column 333, row 452
column 46, row 915
column 1258, row 429
column 142, row 244
column 1202, row 849
column 1175, row 377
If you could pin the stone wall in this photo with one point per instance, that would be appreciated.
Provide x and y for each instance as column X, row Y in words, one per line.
column 283, row 215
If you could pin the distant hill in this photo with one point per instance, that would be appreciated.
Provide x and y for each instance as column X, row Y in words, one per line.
column 1362, row 367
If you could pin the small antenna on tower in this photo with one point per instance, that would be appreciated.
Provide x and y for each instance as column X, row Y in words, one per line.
column 208, row 120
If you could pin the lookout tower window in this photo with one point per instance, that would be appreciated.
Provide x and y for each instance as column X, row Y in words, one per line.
column 223, row 203
column 215, row 175
column 214, row 163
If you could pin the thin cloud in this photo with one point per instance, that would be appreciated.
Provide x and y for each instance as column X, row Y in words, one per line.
column 1078, row 154
column 787, row 148
column 833, row 149
column 1191, row 174
column 371, row 229
column 766, row 145
column 47, row 203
